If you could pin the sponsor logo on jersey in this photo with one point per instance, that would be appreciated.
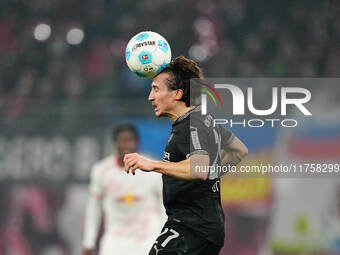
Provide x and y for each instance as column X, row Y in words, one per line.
column 128, row 198
column 166, row 156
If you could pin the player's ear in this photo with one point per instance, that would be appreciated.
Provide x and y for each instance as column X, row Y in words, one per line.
column 179, row 94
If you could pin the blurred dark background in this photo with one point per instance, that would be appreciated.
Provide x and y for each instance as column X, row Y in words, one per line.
column 73, row 50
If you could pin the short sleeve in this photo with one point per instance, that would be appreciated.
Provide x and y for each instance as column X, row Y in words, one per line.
column 199, row 140
column 196, row 139
column 96, row 185
column 226, row 137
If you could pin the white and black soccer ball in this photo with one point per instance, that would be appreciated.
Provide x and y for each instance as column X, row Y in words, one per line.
column 147, row 54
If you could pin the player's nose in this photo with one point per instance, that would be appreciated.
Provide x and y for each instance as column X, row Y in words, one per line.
column 151, row 96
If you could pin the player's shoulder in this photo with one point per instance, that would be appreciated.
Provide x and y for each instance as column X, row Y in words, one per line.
column 193, row 120
column 201, row 122
column 103, row 164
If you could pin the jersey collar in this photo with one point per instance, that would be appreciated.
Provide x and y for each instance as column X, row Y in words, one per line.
column 195, row 109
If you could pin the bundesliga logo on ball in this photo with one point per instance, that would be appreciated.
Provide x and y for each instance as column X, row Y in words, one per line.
column 147, row 54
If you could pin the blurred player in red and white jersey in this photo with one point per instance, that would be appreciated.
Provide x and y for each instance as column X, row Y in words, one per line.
column 132, row 207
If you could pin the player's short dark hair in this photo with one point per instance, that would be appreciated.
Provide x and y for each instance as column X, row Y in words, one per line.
column 182, row 71
column 124, row 127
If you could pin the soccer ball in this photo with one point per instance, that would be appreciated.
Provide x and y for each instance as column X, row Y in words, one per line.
column 147, row 54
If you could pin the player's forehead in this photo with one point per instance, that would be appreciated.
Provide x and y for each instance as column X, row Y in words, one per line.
column 161, row 80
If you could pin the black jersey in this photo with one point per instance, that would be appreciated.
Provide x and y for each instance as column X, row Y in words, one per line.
column 196, row 203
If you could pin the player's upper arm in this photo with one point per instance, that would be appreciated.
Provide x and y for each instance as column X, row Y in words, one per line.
column 199, row 138
column 227, row 137
column 193, row 139
column 199, row 166
column 96, row 187
column 233, row 150
column 236, row 145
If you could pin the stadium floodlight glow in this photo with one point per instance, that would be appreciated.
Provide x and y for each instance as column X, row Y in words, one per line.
column 42, row 32
column 75, row 36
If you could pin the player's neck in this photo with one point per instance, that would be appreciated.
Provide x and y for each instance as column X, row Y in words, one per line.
column 178, row 112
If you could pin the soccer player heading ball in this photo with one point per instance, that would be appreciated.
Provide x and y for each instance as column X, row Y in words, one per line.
column 191, row 198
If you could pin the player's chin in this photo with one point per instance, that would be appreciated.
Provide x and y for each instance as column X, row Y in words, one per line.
column 158, row 113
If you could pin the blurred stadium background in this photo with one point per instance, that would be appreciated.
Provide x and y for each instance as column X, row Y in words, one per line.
column 64, row 84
